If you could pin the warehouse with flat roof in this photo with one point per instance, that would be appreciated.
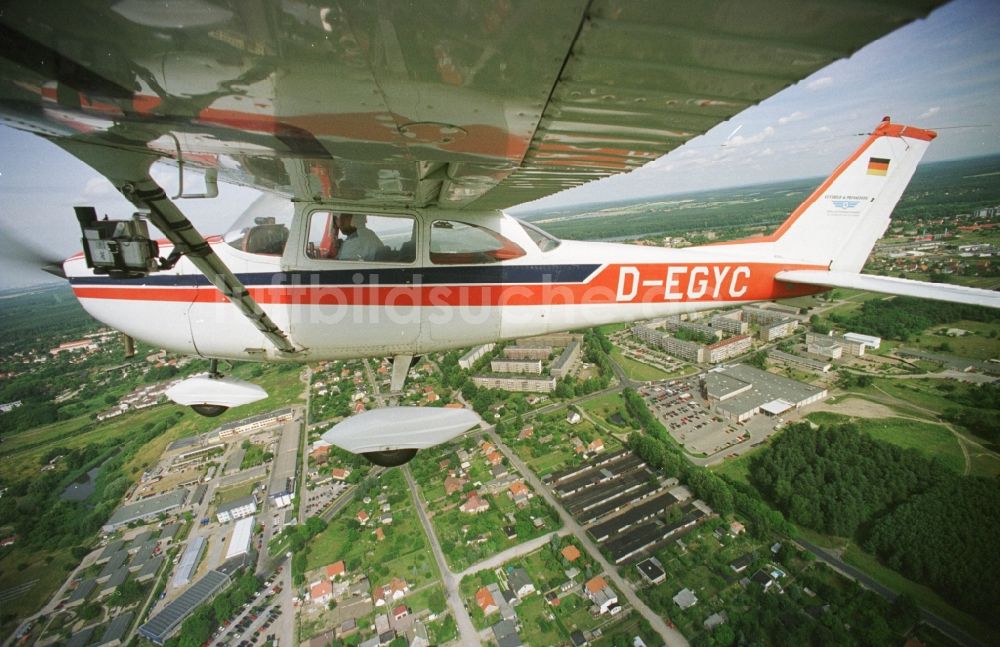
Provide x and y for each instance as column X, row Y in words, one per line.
column 145, row 508
column 161, row 626
column 282, row 484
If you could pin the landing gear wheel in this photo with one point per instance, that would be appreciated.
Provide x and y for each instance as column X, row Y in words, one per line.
column 390, row 457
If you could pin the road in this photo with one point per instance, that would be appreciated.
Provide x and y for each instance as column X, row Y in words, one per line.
column 845, row 569
column 671, row 637
column 466, row 631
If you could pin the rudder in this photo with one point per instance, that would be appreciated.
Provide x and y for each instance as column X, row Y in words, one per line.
column 840, row 222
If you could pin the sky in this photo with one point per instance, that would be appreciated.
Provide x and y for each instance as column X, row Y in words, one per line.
column 942, row 73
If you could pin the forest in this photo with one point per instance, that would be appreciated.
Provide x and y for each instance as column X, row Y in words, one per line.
column 921, row 519
column 904, row 317
column 938, row 190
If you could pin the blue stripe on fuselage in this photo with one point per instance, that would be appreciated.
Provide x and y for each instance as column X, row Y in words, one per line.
column 453, row 275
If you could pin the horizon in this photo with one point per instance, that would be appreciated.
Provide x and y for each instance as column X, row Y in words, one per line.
column 940, row 73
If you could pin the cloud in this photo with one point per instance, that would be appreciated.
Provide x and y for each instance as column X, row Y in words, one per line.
column 740, row 140
column 930, row 112
column 822, row 130
column 795, row 116
column 98, row 186
column 820, row 83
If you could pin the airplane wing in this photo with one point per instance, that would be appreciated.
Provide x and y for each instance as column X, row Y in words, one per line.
column 451, row 104
column 892, row 285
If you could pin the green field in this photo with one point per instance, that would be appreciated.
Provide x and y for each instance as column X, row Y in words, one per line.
column 930, row 439
column 604, row 407
column 637, row 370
column 982, row 343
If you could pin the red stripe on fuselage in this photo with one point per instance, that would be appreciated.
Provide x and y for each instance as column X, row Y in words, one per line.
column 614, row 284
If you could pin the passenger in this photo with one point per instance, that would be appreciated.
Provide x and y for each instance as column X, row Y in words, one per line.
column 361, row 243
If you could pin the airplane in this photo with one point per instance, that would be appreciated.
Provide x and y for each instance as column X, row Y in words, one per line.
column 387, row 138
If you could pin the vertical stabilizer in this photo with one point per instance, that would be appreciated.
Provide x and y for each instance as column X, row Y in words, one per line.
column 839, row 223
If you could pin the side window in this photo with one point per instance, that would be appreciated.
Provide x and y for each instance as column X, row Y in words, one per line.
column 460, row 243
column 349, row 236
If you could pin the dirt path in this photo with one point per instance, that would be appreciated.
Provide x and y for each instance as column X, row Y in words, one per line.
column 862, row 408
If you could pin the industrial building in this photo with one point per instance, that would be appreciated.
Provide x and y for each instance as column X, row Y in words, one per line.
column 254, row 424
column 281, row 487
column 189, row 559
column 163, row 625
column 799, row 362
column 236, row 509
column 116, row 629
column 739, row 392
column 824, row 346
column 240, row 539
column 145, row 509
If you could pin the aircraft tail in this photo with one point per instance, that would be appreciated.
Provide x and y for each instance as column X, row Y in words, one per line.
column 838, row 224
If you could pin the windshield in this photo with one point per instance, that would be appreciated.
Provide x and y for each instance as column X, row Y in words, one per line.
column 263, row 227
column 544, row 240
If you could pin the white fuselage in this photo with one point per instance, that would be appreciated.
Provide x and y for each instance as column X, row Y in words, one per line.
column 341, row 309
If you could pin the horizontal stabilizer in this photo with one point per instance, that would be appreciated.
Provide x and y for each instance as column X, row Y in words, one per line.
column 890, row 285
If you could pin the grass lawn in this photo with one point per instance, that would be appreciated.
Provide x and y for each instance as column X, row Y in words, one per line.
column 637, row 370
column 983, row 464
column 546, row 461
column 537, row 629
column 738, row 468
column 930, row 439
column 47, row 567
column 979, row 345
column 924, row 596
column 236, row 492
column 605, row 406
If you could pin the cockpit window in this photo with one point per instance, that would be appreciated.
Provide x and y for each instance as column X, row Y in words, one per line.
column 351, row 236
column 544, row 240
column 460, row 243
column 263, row 227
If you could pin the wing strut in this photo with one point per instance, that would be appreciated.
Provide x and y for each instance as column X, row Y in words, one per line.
column 165, row 215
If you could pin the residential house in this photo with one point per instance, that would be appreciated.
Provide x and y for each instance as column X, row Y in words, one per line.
column 336, row 569
column 570, row 553
column 520, row 493
column 453, row 484
column 652, row 570
column 474, row 504
column 486, row 602
column 602, row 595
column 685, row 599
column 520, row 583
column 398, row 588
column 320, row 592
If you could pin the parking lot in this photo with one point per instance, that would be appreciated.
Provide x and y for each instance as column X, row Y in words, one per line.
column 678, row 405
column 317, row 499
column 260, row 620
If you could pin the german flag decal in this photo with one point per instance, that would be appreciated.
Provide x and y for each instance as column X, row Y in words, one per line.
column 878, row 165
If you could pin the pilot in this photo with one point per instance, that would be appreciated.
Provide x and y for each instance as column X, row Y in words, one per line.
column 361, row 243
